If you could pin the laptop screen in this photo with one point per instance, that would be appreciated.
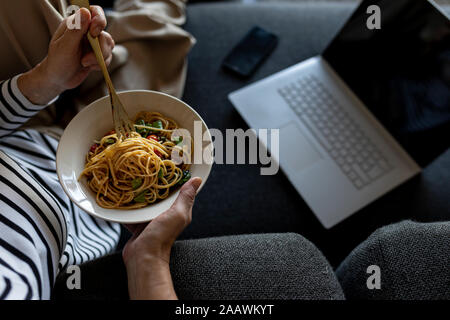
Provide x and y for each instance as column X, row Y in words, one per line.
column 400, row 71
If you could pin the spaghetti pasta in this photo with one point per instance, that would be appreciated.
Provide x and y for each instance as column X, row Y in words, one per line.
column 137, row 171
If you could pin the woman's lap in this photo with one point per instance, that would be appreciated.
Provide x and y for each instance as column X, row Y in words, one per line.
column 33, row 152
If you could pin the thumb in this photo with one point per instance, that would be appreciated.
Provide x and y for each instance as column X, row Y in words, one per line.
column 77, row 27
column 185, row 199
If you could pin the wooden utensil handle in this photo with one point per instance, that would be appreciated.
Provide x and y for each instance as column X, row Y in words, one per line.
column 95, row 44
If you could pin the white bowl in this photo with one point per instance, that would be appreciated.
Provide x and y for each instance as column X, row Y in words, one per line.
column 93, row 122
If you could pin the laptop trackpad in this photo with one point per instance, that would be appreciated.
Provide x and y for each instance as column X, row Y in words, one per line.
column 296, row 152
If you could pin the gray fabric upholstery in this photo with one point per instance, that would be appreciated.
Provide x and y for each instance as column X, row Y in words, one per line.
column 414, row 260
column 270, row 266
column 237, row 199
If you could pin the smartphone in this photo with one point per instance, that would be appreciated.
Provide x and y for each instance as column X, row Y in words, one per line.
column 250, row 52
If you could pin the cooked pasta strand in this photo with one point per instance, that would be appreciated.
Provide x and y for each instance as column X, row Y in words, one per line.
column 137, row 171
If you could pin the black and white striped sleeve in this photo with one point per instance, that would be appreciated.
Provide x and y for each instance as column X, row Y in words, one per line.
column 41, row 231
column 33, row 229
column 15, row 109
column 31, row 239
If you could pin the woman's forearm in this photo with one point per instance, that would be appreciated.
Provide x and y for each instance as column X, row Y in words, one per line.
column 149, row 278
column 17, row 102
column 147, row 254
column 37, row 86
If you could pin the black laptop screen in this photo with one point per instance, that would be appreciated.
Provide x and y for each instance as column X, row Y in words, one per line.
column 401, row 71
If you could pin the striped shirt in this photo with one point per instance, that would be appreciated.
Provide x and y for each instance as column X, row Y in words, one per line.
column 41, row 231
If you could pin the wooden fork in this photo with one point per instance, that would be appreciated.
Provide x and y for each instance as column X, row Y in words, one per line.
column 122, row 123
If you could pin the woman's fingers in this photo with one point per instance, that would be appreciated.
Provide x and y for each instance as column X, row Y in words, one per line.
column 107, row 61
column 92, row 64
column 95, row 18
column 82, row 15
column 185, row 200
column 181, row 210
column 107, row 44
column 71, row 38
column 62, row 28
column 98, row 22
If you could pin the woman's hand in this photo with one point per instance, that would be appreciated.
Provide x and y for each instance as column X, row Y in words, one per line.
column 147, row 253
column 70, row 58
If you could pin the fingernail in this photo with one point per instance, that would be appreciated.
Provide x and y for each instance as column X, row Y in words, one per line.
column 85, row 17
column 85, row 63
column 196, row 182
column 95, row 31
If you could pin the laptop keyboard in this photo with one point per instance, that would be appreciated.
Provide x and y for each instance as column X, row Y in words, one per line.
column 358, row 158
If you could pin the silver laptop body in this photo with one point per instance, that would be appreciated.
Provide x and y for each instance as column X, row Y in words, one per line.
column 333, row 150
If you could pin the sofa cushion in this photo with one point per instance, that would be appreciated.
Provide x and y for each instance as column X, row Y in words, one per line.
column 412, row 260
column 265, row 266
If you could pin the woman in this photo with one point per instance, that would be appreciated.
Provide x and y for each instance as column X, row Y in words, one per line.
column 42, row 231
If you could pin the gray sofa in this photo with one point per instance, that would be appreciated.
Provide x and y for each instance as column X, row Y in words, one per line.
column 238, row 203
column 412, row 259
column 236, row 199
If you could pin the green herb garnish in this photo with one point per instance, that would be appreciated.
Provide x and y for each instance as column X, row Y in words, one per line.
column 157, row 124
column 110, row 141
column 136, row 183
column 142, row 131
column 160, row 173
column 148, row 130
column 185, row 178
column 141, row 197
column 177, row 140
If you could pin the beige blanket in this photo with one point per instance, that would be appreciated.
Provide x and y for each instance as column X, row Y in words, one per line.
column 150, row 51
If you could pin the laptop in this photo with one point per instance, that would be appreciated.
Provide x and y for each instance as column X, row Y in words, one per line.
column 364, row 116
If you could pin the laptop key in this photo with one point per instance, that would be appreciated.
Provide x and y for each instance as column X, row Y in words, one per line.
column 346, row 168
column 352, row 175
column 358, row 183
column 375, row 172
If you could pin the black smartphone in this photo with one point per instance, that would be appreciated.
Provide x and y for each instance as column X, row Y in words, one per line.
column 250, row 52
